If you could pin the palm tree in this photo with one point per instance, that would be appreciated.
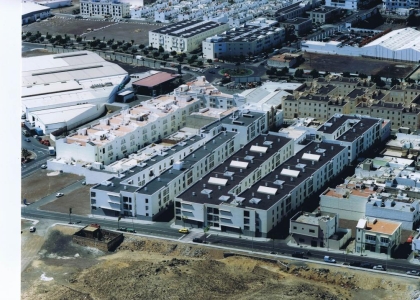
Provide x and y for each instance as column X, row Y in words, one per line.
column 25, row 153
column 205, row 229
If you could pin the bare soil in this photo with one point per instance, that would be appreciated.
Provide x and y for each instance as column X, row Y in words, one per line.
column 100, row 29
column 143, row 268
column 353, row 64
column 78, row 200
column 39, row 185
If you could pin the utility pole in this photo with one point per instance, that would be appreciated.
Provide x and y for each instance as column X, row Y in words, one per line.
column 70, row 210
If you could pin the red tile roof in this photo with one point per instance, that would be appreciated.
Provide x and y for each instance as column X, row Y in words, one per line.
column 155, row 79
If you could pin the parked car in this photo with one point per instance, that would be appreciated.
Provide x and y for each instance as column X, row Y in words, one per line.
column 59, row 195
column 27, row 140
column 366, row 265
column 216, row 67
column 183, row 230
column 32, row 229
column 413, row 273
column 355, row 264
column 329, row 259
column 379, row 268
column 197, row 240
column 131, row 230
column 84, row 182
column 122, row 229
column 43, row 166
column 212, row 72
column 298, row 254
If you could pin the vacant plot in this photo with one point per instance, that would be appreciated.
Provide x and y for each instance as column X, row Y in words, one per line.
column 78, row 200
column 352, row 64
column 138, row 32
column 39, row 185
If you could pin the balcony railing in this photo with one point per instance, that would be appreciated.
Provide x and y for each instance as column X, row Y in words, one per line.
column 370, row 241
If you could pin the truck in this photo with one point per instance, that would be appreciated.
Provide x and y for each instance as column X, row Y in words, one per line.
column 25, row 132
column 139, row 57
column 329, row 259
column 51, row 151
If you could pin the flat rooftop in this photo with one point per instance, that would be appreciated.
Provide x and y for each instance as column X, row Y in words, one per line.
column 234, row 170
column 191, row 159
column 155, row 79
column 245, row 119
column 380, row 226
column 270, row 189
column 187, row 28
column 313, row 218
column 247, row 33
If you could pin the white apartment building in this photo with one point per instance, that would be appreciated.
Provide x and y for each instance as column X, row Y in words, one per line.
column 345, row 4
column 377, row 235
column 116, row 137
column 357, row 133
column 246, row 40
column 399, row 4
column 102, row 8
column 149, row 187
column 184, row 36
column 318, row 229
column 259, row 186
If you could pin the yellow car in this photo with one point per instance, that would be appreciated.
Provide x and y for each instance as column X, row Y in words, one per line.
column 183, row 230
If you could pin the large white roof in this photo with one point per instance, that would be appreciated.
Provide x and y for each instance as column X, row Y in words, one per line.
column 62, row 114
column 30, row 7
column 62, row 67
column 398, row 39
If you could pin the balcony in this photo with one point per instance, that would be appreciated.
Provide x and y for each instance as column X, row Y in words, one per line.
column 373, row 242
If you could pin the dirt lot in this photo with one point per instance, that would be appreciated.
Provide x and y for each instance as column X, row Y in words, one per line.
column 79, row 201
column 39, row 185
column 110, row 30
column 368, row 66
column 154, row 269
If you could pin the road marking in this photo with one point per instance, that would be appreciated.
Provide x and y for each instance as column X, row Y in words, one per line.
column 209, row 235
column 181, row 237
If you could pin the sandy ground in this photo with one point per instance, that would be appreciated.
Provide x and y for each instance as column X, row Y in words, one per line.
column 101, row 29
column 39, row 185
column 144, row 268
column 368, row 66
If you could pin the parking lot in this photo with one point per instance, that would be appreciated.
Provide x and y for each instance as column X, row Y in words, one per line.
column 139, row 32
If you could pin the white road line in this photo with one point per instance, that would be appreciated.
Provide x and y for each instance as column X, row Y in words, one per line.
column 181, row 237
column 209, row 235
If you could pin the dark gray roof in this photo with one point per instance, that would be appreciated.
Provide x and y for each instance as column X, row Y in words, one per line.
column 297, row 21
column 191, row 159
column 356, row 93
column 247, row 118
column 312, row 97
column 187, row 28
column 247, row 33
column 287, row 9
column 358, row 129
column 331, row 150
column 194, row 193
column 324, row 9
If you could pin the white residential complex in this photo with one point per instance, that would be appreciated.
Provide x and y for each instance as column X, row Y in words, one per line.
column 245, row 41
column 345, row 4
column 184, row 36
column 377, row 235
column 116, row 137
column 259, row 186
column 63, row 91
column 400, row 4
column 102, row 8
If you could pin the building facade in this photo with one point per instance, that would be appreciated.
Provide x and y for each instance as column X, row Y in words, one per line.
column 184, row 36
column 32, row 12
column 378, row 236
column 251, row 203
column 324, row 14
column 104, row 8
column 247, row 40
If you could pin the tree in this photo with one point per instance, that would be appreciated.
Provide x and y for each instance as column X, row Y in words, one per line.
column 314, row 73
column 180, row 59
column 41, row 39
column 394, row 81
column 363, row 76
column 28, row 34
column 209, row 61
column 199, row 63
column 132, row 42
column 102, row 45
column 141, row 46
column 410, row 80
column 110, row 42
column 134, row 50
column 48, row 36
column 298, row 73
column 25, row 153
column 124, row 48
column 161, row 49
column 145, row 52
column 165, row 56
column 78, row 39
column 194, row 57
column 114, row 47
column 173, row 53
column 119, row 43
column 346, row 74
column 155, row 54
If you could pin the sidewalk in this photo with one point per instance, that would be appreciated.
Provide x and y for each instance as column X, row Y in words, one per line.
column 123, row 221
column 382, row 256
column 219, row 233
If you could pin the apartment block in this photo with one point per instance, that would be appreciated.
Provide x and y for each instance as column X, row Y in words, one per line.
column 102, row 8
column 377, row 235
column 318, row 229
column 251, row 203
column 324, row 14
column 184, row 36
column 148, row 188
column 116, row 137
column 246, row 40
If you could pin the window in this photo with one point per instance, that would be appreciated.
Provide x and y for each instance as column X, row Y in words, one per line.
column 146, row 200
column 147, row 208
column 92, row 194
column 311, row 231
column 93, row 207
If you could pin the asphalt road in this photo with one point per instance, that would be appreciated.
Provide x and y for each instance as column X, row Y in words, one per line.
column 163, row 230
column 42, row 156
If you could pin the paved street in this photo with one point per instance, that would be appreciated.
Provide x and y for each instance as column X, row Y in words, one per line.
column 41, row 153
